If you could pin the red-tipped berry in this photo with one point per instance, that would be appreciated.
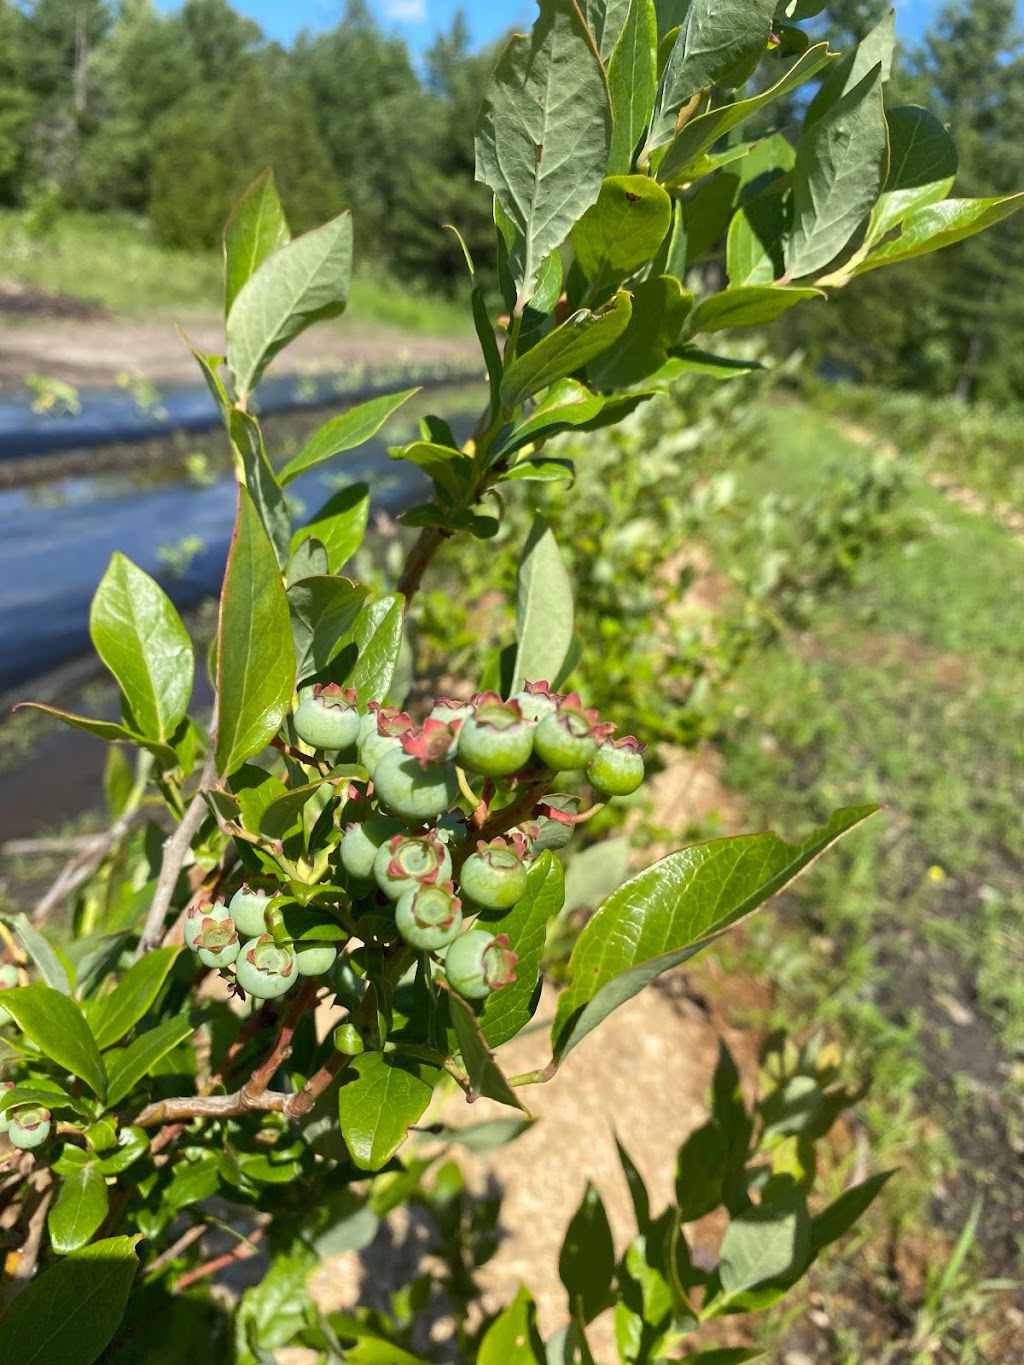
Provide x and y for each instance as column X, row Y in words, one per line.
column 430, row 916
column 493, row 877
column 217, row 944
column 413, row 793
column 265, row 969
column 434, row 742
column 380, row 731
column 29, row 1127
column 406, row 862
column 536, row 701
column 478, row 963
column 248, row 908
column 326, row 717
column 569, row 737
column 495, row 740
column 198, row 914
column 617, row 769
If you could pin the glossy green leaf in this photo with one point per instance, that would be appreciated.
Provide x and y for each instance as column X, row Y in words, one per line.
column 632, row 84
column 47, row 1093
column 587, row 1260
column 339, row 525
column 508, row 1011
column 129, row 1066
column 193, row 1179
column 114, row 1015
column 875, row 49
column 255, row 655
column 921, row 150
column 256, row 228
column 282, row 813
column 67, row 1315
column 769, row 1242
column 692, row 360
column 512, row 1338
column 544, row 608
column 937, row 225
column 209, row 368
column 450, row 471
column 377, row 634
column 623, row 230
column 106, row 730
column 131, row 1144
column 299, row 284
column 841, row 166
column 51, row 968
column 56, row 1025
column 139, row 636
column 660, row 308
column 700, row 134
column 376, row 1351
column 544, row 134
column 486, row 1078
column 377, row 1107
column 261, row 481
column 836, row 1220
column 893, row 208
column 568, row 348
column 308, row 559
column 605, row 19
column 748, row 305
column 323, row 612
column 755, row 245
column 566, row 404
column 346, row 432
column 79, row 1209
column 671, row 910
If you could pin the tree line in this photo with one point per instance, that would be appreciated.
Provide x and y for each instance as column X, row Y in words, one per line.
column 121, row 107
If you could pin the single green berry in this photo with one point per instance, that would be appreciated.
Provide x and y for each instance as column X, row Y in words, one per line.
column 617, row 769
column 314, row 958
column 536, row 701
column 248, row 908
column 381, row 731
column 360, row 842
column 217, row 944
column 29, row 1127
column 326, row 717
column 264, row 969
column 495, row 741
column 493, row 877
column 411, row 792
column 5, row 1114
column 404, row 862
column 8, row 981
column 568, row 738
column 478, row 963
column 349, row 1040
column 448, row 711
column 429, row 917
column 199, row 914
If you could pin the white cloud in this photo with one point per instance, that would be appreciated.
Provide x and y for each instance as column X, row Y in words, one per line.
column 406, row 11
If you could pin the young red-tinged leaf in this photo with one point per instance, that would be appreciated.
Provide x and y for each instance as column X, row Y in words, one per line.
column 79, row 1209
column 512, row 1338
column 509, row 1010
column 376, row 1106
column 115, row 1014
column 139, row 636
column 486, row 1078
column 68, row 1315
column 56, row 1025
column 587, row 1260
column 339, row 525
column 255, row 655
column 256, row 228
column 579, row 340
column 671, row 910
column 346, row 432
column 544, row 608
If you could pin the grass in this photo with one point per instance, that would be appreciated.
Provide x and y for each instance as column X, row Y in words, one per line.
column 113, row 260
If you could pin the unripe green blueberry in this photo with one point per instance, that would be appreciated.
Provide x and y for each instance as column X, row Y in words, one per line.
column 493, row 877
column 29, row 1127
column 326, row 717
column 8, row 981
column 217, row 944
column 381, row 731
column 429, row 917
column 360, row 842
column 198, row 916
column 248, row 908
column 495, row 740
column 265, row 969
column 536, row 701
column 411, row 792
column 568, row 738
column 478, row 963
column 448, row 711
column 406, row 862
column 5, row 1114
column 617, row 769
column 314, row 958
column 349, row 1040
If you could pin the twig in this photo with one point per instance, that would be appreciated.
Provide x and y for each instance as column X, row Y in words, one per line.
column 176, row 850
column 176, row 1248
column 300, row 1003
column 239, row 1253
column 425, row 547
column 28, row 848
column 210, row 1107
column 304, row 1101
column 79, row 868
column 501, row 821
column 28, row 1256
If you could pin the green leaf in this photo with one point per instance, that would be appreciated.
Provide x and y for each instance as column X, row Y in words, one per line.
column 114, row 1015
column 875, row 49
column 660, row 308
column 109, row 731
column 566, row 404
column 841, row 165
column 512, row 1338
column 938, row 225
column 835, row 1221
column 485, row 1075
column 766, row 1243
column 508, row 1011
column 129, row 1066
column 323, row 612
column 641, row 1200
column 282, row 813
column 623, row 230
column 193, row 1180
column 51, row 968
column 79, row 1209
column 299, row 284
column 271, row 1312
column 692, row 360
column 339, row 525
column 605, row 19
column 375, row 1351
column 139, row 636
column 346, row 432
column 921, row 150
column 544, row 608
column 256, row 228
column 587, row 1260
column 450, row 470
column 56, row 1025
column 544, row 134
column 39, row 1091
column 671, row 910
column 377, row 634
column 748, row 305
column 756, row 242
column 261, row 481
column 377, row 1107
column 67, row 1315
column 700, row 134
column 632, row 84
column 131, row 1144
column 255, row 654
column 580, row 339
column 720, row 42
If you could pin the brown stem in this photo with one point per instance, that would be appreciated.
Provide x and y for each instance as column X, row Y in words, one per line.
column 241, row 1252
column 210, row 1107
column 425, row 547
column 304, row 1101
column 502, row 821
column 300, row 1003
column 176, row 1248
column 28, row 1256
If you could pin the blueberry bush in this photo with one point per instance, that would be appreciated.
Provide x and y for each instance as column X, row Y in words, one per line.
column 313, row 851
